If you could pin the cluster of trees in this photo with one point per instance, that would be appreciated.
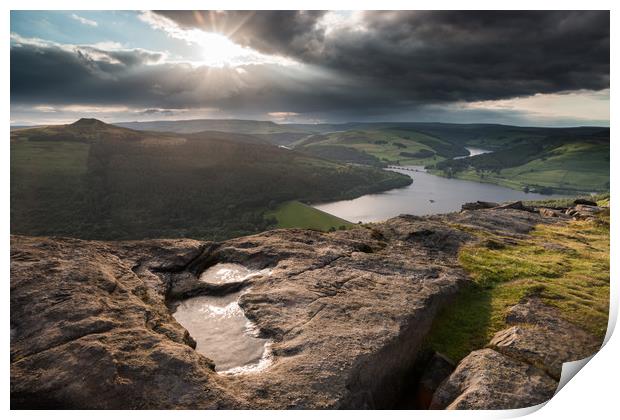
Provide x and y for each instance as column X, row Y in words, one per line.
column 420, row 154
column 495, row 162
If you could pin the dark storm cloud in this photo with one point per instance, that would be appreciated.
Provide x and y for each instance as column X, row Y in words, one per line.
column 271, row 31
column 49, row 73
column 389, row 65
column 436, row 56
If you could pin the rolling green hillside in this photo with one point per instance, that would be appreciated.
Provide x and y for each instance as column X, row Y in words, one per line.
column 570, row 164
column 92, row 180
column 380, row 147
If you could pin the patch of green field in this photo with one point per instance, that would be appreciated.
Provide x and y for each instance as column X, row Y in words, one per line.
column 294, row 214
column 566, row 265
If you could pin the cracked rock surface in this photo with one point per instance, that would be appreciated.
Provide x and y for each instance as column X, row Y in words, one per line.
column 346, row 313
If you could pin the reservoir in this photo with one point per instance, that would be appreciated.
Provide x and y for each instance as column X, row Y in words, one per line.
column 428, row 194
column 474, row 151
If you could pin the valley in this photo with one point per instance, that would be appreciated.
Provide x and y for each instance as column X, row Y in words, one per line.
column 97, row 181
column 538, row 159
column 187, row 179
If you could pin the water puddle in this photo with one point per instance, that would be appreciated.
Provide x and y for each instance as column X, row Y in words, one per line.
column 224, row 334
column 223, row 273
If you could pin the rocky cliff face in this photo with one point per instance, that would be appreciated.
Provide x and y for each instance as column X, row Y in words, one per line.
column 345, row 314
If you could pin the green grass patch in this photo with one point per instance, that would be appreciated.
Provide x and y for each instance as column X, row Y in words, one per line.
column 566, row 265
column 294, row 214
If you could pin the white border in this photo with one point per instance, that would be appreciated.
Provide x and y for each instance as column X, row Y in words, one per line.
column 592, row 394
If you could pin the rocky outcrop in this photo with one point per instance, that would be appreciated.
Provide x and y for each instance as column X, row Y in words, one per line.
column 516, row 205
column 584, row 201
column 478, row 205
column 547, row 212
column 522, row 364
column 583, row 212
column 346, row 313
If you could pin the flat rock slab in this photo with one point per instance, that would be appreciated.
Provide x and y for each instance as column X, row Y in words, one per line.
column 346, row 313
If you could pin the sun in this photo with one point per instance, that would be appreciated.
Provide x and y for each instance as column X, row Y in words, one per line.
column 219, row 51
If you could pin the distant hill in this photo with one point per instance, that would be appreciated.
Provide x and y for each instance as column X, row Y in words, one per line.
column 267, row 130
column 491, row 136
column 194, row 126
column 85, row 130
column 94, row 180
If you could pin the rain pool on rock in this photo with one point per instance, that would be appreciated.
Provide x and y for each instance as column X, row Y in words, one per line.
column 428, row 194
column 219, row 326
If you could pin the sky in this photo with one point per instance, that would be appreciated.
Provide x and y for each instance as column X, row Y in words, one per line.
column 538, row 68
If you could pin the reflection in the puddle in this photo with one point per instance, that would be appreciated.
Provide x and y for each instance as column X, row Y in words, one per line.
column 223, row 333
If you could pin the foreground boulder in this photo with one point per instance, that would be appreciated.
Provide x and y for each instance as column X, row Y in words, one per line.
column 521, row 366
column 346, row 314
column 585, row 201
column 583, row 211
column 486, row 379
column 478, row 205
column 436, row 370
